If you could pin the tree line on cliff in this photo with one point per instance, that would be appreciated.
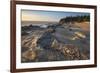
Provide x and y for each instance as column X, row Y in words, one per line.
column 75, row 19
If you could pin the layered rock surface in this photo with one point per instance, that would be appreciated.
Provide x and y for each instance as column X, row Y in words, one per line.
column 55, row 43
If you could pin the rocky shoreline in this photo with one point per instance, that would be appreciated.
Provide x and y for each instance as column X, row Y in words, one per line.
column 56, row 42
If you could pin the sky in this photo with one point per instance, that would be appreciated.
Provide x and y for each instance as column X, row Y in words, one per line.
column 51, row 16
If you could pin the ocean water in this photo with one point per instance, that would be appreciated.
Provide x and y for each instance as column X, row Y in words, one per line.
column 37, row 23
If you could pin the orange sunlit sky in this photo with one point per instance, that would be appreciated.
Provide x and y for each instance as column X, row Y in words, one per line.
column 34, row 15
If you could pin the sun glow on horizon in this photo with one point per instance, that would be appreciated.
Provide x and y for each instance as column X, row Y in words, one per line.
column 37, row 17
column 50, row 16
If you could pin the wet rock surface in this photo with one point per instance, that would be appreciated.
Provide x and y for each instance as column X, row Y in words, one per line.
column 54, row 43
